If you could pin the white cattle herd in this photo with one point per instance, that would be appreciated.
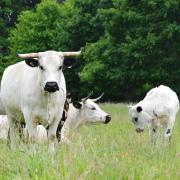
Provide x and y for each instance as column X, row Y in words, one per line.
column 33, row 92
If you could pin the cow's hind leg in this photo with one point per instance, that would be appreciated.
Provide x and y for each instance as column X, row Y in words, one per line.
column 153, row 132
column 168, row 130
column 30, row 126
column 30, row 133
column 52, row 135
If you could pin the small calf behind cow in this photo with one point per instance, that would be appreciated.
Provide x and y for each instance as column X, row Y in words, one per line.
column 157, row 109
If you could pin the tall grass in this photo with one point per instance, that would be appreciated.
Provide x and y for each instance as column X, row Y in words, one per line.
column 112, row 151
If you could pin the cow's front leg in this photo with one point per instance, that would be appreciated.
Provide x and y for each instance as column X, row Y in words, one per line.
column 31, row 131
column 168, row 130
column 30, row 126
column 52, row 134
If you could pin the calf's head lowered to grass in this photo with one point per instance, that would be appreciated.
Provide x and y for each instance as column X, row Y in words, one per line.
column 139, row 117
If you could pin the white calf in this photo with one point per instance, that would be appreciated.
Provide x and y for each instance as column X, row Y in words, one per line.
column 157, row 109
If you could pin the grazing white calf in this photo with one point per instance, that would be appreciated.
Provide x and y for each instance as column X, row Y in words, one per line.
column 84, row 112
column 157, row 109
column 4, row 127
column 34, row 90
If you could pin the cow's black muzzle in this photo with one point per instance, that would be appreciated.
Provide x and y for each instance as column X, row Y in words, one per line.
column 108, row 119
column 51, row 87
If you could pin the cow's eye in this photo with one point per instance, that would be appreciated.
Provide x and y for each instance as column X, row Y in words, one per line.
column 60, row 67
column 41, row 67
column 93, row 108
column 136, row 119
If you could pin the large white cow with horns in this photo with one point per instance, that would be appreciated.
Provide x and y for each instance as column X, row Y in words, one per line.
column 35, row 90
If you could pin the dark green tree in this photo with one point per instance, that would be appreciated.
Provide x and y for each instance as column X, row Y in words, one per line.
column 130, row 46
column 61, row 27
column 9, row 10
column 140, row 49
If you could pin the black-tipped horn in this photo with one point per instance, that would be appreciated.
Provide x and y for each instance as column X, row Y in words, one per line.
column 98, row 98
column 70, row 54
column 84, row 99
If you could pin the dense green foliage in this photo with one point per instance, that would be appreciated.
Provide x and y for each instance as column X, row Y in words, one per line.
column 98, row 152
column 140, row 49
column 9, row 10
column 128, row 46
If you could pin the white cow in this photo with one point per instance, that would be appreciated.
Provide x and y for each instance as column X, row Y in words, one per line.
column 157, row 109
column 35, row 90
column 84, row 112
column 4, row 128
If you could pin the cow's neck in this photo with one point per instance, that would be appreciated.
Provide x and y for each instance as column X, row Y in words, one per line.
column 148, row 106
column 74, row 117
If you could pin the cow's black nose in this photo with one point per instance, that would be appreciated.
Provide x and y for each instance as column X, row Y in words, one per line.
column 51, row 87
column 108, row 119
column 136, row 119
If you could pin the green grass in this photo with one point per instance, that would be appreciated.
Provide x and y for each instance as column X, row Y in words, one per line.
column 112, row 151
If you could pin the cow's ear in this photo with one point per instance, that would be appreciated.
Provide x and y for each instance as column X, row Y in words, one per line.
column 69, row 61
column 77, row 105
column 69, row 95
column 32, row 62
column 139, row 109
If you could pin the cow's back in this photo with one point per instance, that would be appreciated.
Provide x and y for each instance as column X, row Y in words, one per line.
column 162, row 97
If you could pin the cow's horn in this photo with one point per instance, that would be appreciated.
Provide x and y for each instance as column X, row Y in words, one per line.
column 69, row 54
column 94, row 100
column 84, row 99
column 28, row 56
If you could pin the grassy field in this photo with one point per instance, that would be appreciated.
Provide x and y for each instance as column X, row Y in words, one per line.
column 112, row 151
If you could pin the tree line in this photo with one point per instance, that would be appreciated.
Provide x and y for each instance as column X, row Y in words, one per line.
column 128, row 46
